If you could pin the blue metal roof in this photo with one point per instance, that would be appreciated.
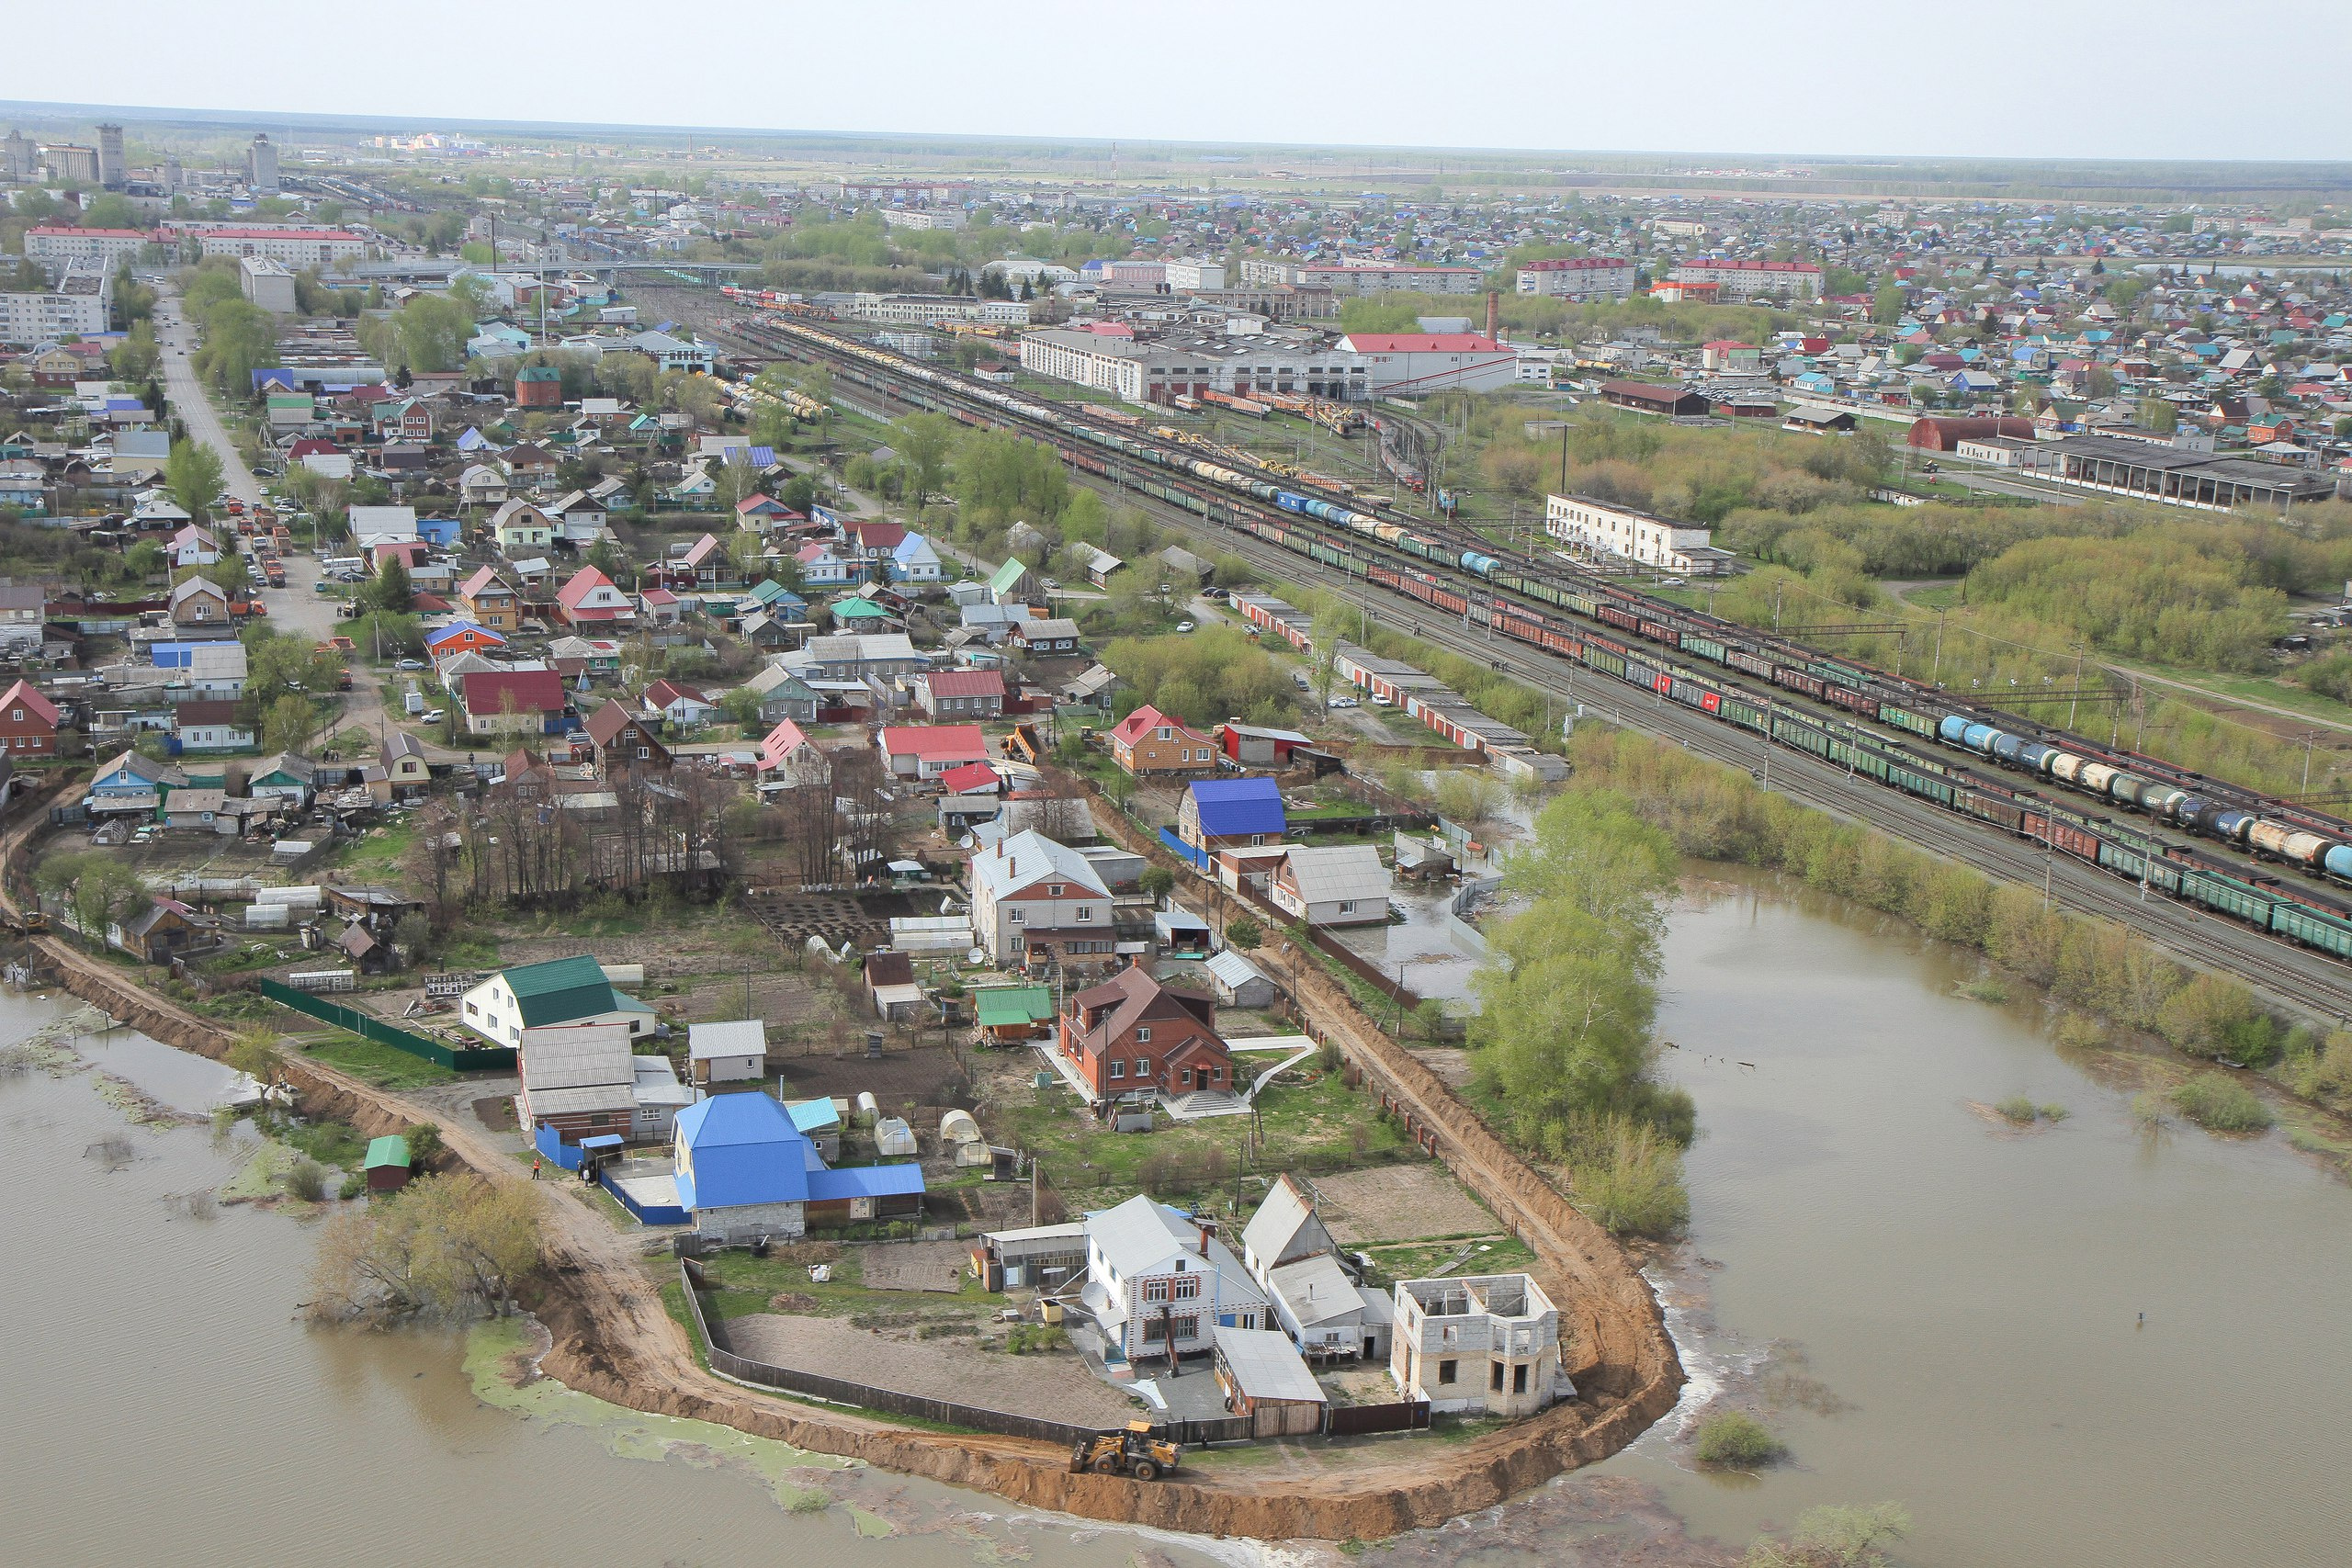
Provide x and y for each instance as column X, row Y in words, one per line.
column 742, row 1148
column 866, row 1182
column 813, row 1115
column 1239, row 805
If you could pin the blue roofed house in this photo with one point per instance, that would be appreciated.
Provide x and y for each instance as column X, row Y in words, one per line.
column 914, row 560
column 744, row 1170
column 1223, row 814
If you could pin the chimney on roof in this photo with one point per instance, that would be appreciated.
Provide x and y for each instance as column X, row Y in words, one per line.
column 1208, row 1229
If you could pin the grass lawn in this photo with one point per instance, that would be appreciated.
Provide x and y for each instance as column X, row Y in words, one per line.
column 377, row 855
column 382, row 1066
column 1413, row 1260
column 741, row 1283
column 1320, row 1124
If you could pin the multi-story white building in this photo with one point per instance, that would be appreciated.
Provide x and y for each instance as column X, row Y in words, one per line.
column 58, row 250
column 930, row 309
column 1358, row 276
column 924, row 217
column 296, row 248
column 77, row 307
column 1181, row 364
column 1578, row 278
column 1195, row 277
column 1030, row 883
column 1627, row 534
column 1752, row 279
column 269, row 284
column 1115, row 365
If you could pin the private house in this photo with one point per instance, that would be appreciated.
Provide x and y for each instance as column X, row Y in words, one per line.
column 589, row 599
column 1268, row 1383
column 1296, row 1263
column 1488, row 1345
column 624, row 742
column 1256, row 745
column 659, row 1098
column 492, row 601
column 733, row 1052
column 1013, row 583
column 579, row 519
column 822, row 567
column 193, row 547
column 401, row 760
column 1159, row 1284
column 1220, row 814
column 1056, row 635
column 1096, row 686
column 1037, row 901
column 283, row 776
column 131, row 786
column 207, row 725
column 28, row 722
column 202, row 810
column 1133, row 1037
column 891, row 987
column 960, row 693
column 679, row 704
column 482, row 485
column 772, row 634
column 1341, row 885
column 200, row 602
column 658, row 607
column 166, row 929
column 538, row 996
column 510, row 702
column 887, row 656
column 789, row 757
column 1148, row 742
column 1013, row 1015
column 745, row 1172
column 578, row 1081
column 783, row 695
column 925, row 752
column 912, row 559
column 460, row 637
column 520, row 529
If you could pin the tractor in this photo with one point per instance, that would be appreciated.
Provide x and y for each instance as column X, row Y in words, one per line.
column 1134, row 1451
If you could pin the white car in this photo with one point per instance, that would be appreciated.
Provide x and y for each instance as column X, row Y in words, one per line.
column 433, row 715
column 1344, row 702
column 1183, row 625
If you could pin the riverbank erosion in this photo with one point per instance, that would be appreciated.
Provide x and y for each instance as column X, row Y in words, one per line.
column 612, row 1338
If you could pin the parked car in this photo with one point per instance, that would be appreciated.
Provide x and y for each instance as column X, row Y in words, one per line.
column 1183, row 625
column 1344, row 702
column 433, row 715
column 409, row 664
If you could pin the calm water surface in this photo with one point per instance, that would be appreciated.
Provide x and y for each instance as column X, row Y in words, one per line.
column 1973, row 1295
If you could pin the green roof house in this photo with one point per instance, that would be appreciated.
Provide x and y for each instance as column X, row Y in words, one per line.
column 388, row 1165
column 543, row 996
column 1012, row 584
column 1013, row 1012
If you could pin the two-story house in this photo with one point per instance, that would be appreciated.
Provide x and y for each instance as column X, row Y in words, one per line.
column 492, row 602
column 960, row 695
column 1223, row 814
column 538, row 996
column 1148, row 742
column 1159, row 1284
column 1038, row 902
column 589, row 599
column 520, row 529
column 1488, row 1345
column 28, row 722
column 623, row 741
column 1132, row 1037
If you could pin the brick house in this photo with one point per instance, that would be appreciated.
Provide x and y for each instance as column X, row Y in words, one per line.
column 491, row 600
column 28, row 722
column 1147, row 741
column 1036, row 902
column 1131, row 1035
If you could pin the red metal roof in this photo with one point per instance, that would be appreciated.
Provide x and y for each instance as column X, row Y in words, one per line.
column 1422, row 343
column 930, row 742
column 533, row 691
column 22, row 695
column 970, row 778
column 965, row 684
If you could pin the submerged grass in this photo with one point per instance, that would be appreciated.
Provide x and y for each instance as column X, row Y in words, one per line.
column 2218, row 1104
column 1735, row 1440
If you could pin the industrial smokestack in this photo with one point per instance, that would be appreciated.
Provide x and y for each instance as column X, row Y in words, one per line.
column 1494, row 315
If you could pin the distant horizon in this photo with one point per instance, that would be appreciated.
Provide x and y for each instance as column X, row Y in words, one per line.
column 1534, row 80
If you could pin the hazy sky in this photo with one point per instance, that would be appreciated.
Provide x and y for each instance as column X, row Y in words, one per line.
column 2019, row 78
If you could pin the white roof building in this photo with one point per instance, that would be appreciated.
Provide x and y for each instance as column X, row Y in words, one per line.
column 1341, row 885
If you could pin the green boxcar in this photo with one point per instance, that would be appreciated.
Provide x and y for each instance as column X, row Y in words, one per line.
column 1745, row 715
column 1903, row 719
column 2330, row 933
column 2226, row 893
column 1704, row 646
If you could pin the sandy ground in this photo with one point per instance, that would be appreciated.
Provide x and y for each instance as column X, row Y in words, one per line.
column 1398, row 1202
column 1052, row 1387
column 914, row 1265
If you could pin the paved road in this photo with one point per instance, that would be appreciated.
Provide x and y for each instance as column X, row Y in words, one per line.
column 297, row 608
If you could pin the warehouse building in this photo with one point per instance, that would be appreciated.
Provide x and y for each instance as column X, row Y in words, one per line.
column 1156, row 370
column 1622, row 534
column 1410, row 363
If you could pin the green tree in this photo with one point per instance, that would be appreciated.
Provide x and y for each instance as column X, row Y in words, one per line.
column 192, row 473
column 1243, row 933
column 1157, row 881
column 287, row 723
column 100, row 888
column 924, row 441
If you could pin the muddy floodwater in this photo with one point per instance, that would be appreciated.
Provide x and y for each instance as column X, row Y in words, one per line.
column 1934, row 1309
column 168, row 1406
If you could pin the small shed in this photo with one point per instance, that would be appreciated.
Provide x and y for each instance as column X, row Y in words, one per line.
column 1010, row 1015
column 1180, row 933
column 733, row 1052
column 1266, row 1381
column 389, row 1164
column 1237, row 981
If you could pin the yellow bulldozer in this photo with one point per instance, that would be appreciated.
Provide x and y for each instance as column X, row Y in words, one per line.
column 1133, row 1451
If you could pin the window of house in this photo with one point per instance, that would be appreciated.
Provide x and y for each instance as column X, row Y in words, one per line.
column 1143, row 1035
column 1013, row 916
column 1054, row 889
column 1118, row 1069
column 1446, row 1370
column 1085, row 913
column 1519, row 1378
column 1494, row 1377
column 1155, row 1290
column 1186, row 1287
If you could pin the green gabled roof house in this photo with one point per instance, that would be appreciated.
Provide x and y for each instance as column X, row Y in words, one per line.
column 539, row 996
column 1012, row 584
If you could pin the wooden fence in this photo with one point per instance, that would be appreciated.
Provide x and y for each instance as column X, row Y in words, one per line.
column 1354, row 1420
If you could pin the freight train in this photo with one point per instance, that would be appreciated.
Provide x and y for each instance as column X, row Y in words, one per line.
column 2272, row 829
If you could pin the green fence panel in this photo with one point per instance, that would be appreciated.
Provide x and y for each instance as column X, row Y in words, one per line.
column 368, row 1026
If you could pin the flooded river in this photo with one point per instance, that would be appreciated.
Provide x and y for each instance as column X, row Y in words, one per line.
column 1928, row 1308
column 170, row 1407
column 1946, row 1313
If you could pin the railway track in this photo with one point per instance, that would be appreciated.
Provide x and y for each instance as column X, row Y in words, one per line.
column 2305, row 980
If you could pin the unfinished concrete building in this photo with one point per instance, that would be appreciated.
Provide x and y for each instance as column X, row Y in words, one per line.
column 1488, row 1345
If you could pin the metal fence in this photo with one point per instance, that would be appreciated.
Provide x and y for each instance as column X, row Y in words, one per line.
column 368, row 1026
column 1197, row 859
column 841, row 1391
